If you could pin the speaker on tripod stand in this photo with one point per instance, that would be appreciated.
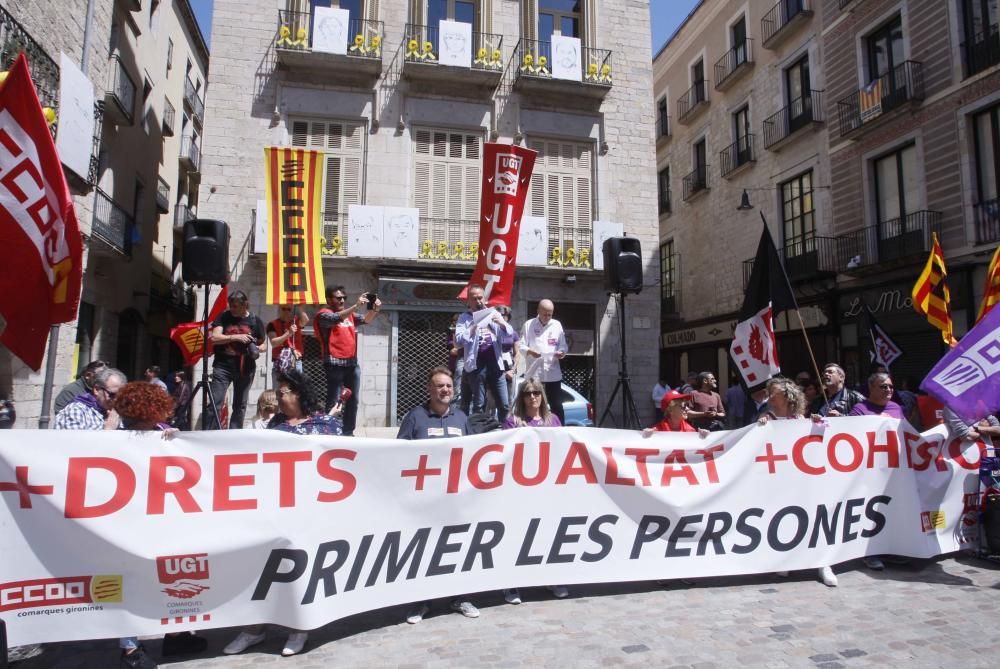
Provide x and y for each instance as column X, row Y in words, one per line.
column 622, row 275
column 205, row 262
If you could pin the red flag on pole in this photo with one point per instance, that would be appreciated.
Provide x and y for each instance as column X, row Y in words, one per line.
column 38, row 224
column 190, row 337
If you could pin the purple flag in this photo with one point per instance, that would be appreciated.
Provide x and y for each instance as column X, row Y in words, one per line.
column 967, row 378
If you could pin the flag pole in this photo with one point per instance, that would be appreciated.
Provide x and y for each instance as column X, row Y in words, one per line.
column 802, row 325
column 50, row 375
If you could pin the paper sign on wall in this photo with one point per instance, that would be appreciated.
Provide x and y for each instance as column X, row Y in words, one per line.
column 75, row 134
column 533, row 242
column 455, row 47
column 604, row 230
column 330, row 30
column 364, row 233
column 260, row 227
column 566, row 58
column 400, row 227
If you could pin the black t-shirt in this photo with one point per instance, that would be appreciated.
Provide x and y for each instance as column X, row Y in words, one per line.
column 233, row 325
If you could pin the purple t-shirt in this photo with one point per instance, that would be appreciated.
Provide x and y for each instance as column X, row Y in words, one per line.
column 867, row 408
column 511, row 422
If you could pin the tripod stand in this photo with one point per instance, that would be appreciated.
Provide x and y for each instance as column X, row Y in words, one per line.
column 630, row 417
column 207, row 400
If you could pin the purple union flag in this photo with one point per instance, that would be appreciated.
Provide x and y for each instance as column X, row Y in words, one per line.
column 967, row 378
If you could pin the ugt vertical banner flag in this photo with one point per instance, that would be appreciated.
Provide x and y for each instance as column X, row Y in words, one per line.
column 293, row 196
column 506, row 177
column 37, row 224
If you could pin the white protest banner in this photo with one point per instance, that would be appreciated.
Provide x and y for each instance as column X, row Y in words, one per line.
column 75, row 132
column 533, row 241
column 365, row 230
column 456, row 43
column 330, row 26
column 566, row 58
column 115, row 534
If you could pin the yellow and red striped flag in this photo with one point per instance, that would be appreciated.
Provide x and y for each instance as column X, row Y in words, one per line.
column 930, row 293
column 293, row 196
column 991, row 293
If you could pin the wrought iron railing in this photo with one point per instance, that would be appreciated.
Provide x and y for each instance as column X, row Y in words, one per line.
column 809, row 255
column 162, row 195
column 664, row 201
column 533, row 58
column 14, row 39
column 695, row 182
column 449, row 239
column 797, row 115
column 422, row 44
column 182, row 214
column 190, row 153
column 899, row 238
column 334, row 233
column 982, row 51
column 904, row 84
column 192, row 98
column 692, row 99
column 296, row 29
column 122, row 89
column 168, row 118
column 987, row 216
column 741, row 152
column 779, row 16
column 112, row 224
column 725, row 67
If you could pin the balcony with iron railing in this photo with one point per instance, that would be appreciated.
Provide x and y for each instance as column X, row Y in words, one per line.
column 894, row 242
column 781, row 127
column 780, row 21
column 807, row 257
column 182, row 214
column 872, row 105
column 190, row 154
column 738, row 155
column 587, row 74
column 120, row 97
column 982, row 51
column 193, row 101
column 665, row 206
column 987, row 218
column 112, row 224
column 302, row 42
column 169, row 115
column 693, row 101
column 162, row 195
column 733, row 63
column 695, row 183
column 449, row 239
column 171, row 294
column 426, row 57
column 15, row 39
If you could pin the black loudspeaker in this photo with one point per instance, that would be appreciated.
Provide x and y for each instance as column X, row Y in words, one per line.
column 622, row 265
column 206, row 252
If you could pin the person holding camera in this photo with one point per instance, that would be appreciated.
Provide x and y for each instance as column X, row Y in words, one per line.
column 335, row 326
column 237, row 336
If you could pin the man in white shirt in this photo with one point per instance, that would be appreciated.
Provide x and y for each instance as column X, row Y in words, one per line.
column 478, row 332
column 544, row 344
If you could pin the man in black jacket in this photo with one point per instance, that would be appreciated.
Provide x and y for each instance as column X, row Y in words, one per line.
column 839, row 399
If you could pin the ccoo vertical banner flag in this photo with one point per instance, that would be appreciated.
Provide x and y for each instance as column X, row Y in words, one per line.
column 294, row 189
column 38, row 224
column 506, row 177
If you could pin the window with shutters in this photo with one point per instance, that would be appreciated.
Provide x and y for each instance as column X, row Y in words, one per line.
column 561, row 192
column 447, row 178
column 343, row 142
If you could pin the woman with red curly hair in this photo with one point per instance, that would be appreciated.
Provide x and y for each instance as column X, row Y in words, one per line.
column 144, row 406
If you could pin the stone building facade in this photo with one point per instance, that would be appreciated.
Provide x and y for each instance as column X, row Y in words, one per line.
column 400, row 129
column 139, row 57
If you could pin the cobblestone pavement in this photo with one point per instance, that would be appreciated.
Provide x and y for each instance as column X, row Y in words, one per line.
column 939, row 613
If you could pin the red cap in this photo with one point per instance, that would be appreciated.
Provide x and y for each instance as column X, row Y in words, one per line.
column 670, row 397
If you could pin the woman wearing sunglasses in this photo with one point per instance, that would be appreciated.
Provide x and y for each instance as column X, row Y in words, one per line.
column 531, row 408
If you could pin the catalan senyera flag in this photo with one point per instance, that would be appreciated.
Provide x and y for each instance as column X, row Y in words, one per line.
column 190, row 337
column 294, row 182
column 931, row 297
column 991, row 292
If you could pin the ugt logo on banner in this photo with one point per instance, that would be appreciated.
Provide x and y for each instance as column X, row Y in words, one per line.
column 506, row 177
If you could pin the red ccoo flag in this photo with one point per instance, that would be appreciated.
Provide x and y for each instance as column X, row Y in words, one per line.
column 37, row 224
column 190, row 337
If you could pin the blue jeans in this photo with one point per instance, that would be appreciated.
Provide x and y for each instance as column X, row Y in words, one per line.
column 488, row 375
column 222, row 376
column 337, row 378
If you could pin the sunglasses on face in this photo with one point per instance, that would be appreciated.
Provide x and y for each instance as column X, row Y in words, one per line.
column 533, row 393
column 886, row 386
column 111, row 395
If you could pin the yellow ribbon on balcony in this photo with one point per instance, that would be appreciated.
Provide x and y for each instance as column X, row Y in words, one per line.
column 337, row 246
column 571, row 257
column 411, row 49
column 606, row 73
column 284, row 36
column 425, row 249
column 528, row 64
column 50, row 115
column 442, row 250
column 495, row 60
column 541, row 69
column 302, row 38
column 459, row 250
column 359, row 44
column 473, row 251
column 428, row 53
column 375, row 46
column 481, row 57
column 584, row 257
column 591, row 72
column 556, row 258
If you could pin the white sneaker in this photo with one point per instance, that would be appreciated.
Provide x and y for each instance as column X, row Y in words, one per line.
column 874, row 563
column 296, row 641
column 512, row 596
column 465, row 607
column 781, row 574
column 559, row 591
column 417, row 613
column 827, row 576
column 242, row 642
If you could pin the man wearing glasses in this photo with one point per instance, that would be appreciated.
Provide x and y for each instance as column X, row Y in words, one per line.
column 336, row 328
column 82, row 385
column 93, row 410
column 879, row 402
